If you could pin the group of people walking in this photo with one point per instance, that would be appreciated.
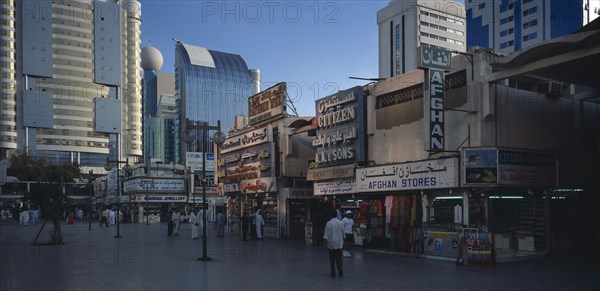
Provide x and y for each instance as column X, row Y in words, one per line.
column 26, row 216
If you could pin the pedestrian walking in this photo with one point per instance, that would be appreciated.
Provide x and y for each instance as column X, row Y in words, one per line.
column 112, row 216
column 24, row 217
column 220, row 224
column 195, row 222
column 35, row 216
column 170, row 223
column 260, row 222
column 348, row 233
column 245, row 224
column 104, row 218
column 176, row 220
column 334, row 240
column 253, row 226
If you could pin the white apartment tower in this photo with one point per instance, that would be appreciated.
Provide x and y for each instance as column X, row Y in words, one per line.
column 404, row 25
column 56, row 57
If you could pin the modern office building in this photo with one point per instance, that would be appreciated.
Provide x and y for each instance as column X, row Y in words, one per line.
column 58, row 58
column 159, row 108
column 211, row 86
column 510, row 25
column 405, row 25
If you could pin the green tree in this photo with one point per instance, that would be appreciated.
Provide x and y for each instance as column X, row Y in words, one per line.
column 47, row 193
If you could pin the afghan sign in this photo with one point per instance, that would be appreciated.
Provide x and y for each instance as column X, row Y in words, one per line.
column 267, row 104
column 434, row 110
column 340, row 128
column 427, row 174
column 435, row 58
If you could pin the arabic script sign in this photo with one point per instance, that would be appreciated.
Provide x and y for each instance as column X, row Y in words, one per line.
column 435, row 58
column 428, row 174
column 267, row 104
column 341, row 186
column 247, row 139
column 173, row 185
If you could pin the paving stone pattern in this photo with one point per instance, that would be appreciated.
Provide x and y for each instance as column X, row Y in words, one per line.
column 145, row 258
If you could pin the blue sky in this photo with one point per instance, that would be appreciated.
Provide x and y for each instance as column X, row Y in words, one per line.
column 314, row 46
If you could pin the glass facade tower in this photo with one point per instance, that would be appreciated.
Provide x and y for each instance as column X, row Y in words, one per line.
column 210, row 86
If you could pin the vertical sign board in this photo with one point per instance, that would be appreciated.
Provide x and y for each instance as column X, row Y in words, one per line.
column 435, row 62
column 434, row 110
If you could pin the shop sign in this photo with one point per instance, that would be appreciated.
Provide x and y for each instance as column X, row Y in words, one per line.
column 493, row 166
column 481, row 166
column 340, row 186
column 435, row 58
column 231, row 188
column 329, row 173
column 111, row 182
column 340, row 128
column 157, row 185
column 434, row 110
column 193, row 161
column 427, row 174
column 526, row 168
column 267, row 104
column 247, row 139
column 158, row 198
column 260, row 185
column 254, row 162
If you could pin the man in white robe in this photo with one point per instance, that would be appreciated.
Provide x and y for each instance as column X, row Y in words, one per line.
column 260, row 222
column 195, row 222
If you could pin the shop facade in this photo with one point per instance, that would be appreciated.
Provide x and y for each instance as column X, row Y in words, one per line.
column 151, row 198
column 246, row 173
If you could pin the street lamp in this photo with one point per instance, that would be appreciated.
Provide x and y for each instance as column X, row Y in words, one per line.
column 145, row 183
column 91, row 214
column 126, row 168
column 218, row 139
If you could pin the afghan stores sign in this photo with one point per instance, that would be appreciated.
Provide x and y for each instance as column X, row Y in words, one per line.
column 434, row 110
column 267, row 104
column 340, row 125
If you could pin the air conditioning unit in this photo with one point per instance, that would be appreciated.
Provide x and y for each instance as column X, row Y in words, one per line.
column 550, row 88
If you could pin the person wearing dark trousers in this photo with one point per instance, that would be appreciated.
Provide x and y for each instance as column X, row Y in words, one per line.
column 334, row 240
column 245, row 224
column 170, row 223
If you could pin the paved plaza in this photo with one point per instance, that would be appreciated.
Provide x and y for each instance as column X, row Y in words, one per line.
column 145, row 258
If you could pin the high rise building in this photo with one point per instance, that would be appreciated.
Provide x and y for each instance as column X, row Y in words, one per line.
column 510, row 25
column 56, row 58
column 210, row 85
column 159, row 108
column 405, row 25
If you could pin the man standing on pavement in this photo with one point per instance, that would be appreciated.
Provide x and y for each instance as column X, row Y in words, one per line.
column 260, row 222
column 176, row 218
column 348, row 233
column 195, row 221
column 220, row 224
column 245, row 223
column 334, row 240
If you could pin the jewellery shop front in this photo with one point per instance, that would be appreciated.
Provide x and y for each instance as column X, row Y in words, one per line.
column 246, row 170
column 389, row 206
column 150, row 199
